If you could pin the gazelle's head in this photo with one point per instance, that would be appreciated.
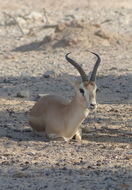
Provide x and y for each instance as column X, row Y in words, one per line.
column 87, row 88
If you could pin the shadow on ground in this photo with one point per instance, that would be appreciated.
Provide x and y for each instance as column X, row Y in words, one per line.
column 36, row 45
column 112, row 89
column 66, row 178
column 109, row 135
column 63, row 177
column 105, row 135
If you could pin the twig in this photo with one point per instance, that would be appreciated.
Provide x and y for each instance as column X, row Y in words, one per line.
column 46, row 17
column 15, row 21
column 50, row 26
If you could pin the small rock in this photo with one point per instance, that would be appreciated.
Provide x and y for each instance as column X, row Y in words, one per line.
column 21, row 21
column 60, row 27
column 41, row 95
column 113, row 68
column 47, row 39
column 23, row 94
column 77, row 23
column 102, row 34
column 49, row 74
column 34, row 16
column 20, row 175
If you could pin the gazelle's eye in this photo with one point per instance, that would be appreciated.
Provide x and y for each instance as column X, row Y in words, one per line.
column 82, row 91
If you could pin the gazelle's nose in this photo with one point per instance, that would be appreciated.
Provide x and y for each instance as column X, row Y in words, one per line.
column 92, row 106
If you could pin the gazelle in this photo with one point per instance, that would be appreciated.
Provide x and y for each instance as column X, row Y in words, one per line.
column 57, row 118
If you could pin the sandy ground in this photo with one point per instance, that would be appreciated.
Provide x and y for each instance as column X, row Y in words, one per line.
column 34, row 36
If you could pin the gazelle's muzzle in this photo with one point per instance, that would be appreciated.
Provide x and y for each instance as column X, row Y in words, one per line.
column 92, row 102
column 93, row 107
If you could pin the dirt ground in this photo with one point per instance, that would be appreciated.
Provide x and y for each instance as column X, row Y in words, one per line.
column 34, row 38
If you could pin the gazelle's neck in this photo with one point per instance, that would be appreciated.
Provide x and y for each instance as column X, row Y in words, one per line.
column 76, row 112
column 78, row 101
column 77, row 106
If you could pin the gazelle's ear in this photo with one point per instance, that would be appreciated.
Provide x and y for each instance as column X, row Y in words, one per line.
column 76, row 84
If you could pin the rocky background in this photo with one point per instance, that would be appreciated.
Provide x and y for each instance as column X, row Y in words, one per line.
column 34, row 38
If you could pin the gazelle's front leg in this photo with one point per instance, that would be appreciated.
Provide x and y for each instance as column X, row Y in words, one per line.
column 78, row 135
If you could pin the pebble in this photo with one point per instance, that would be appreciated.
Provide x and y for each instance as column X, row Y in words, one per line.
column 23, row 94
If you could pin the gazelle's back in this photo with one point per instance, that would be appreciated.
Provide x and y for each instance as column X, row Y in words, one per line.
column 47, row 112
column 51, row 102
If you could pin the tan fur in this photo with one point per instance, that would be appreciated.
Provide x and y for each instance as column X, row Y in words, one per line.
column 57, row 117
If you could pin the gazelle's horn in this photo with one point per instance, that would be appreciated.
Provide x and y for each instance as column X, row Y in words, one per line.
column 93, row 75
column 78, row 67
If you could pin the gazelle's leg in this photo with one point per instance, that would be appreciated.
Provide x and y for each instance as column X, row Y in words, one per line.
column 78, row 135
